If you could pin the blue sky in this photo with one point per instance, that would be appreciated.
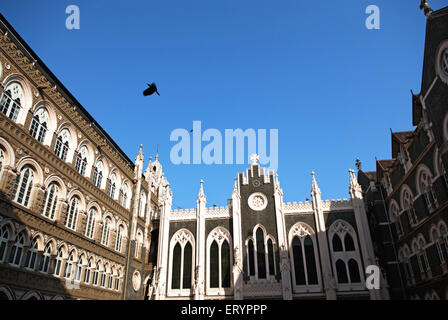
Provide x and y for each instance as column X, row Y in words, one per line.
column 310, row 69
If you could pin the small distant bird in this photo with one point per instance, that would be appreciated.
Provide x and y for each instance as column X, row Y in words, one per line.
column 150, row 90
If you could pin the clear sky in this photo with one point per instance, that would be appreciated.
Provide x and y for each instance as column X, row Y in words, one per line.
column 310, row 69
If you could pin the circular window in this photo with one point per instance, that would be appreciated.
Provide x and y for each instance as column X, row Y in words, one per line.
column 257, row 201
column 442, row 62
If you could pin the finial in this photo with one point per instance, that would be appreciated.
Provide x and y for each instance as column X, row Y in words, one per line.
column 254, row 158
column 424, row 5
column 312, row 173
column 358, row 164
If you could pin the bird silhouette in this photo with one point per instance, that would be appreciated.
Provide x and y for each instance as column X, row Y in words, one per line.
column 150, row 90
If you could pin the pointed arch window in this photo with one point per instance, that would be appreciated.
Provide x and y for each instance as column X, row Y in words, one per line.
column 45, row 261
column 119, row 238
column 124, row 196
column 98, row 174
column 261, row 254
column 408, row 206
column 103, row 277
column 62, row 144
column 251, row 257
column 271, row 257
column 90, row 223
column 11, row 101
column 182, row 262
column 72, row 213
column 51, row 200
column 96, row 274
column 337, row 243
column 111, row 185
column 15, row 257
column 88, row 270
column 341, row 271
column 425, row 184
column 39, row 123
column 106, row 231
column 22, row 186
column 30, row 260
column 58, row 264
column 81, row 161
column 395, row 217
column 117, row 281
column 4, row 238
column 69, row 266
column 219, row 263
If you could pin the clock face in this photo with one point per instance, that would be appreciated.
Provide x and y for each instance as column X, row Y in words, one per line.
column 257, row 201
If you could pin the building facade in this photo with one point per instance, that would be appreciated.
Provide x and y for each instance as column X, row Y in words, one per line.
column 258, row 247
column 407, row 196
column 75, row 211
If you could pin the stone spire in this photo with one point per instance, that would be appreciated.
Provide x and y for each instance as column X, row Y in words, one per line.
column 355, row 189
column 201, row 195
column 315, row 188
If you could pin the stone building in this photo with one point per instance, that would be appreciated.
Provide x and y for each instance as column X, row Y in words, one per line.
column 407, row 196
column 75, row 211
column 258, row 247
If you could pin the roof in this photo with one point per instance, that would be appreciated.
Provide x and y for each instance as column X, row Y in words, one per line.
column 61, row 88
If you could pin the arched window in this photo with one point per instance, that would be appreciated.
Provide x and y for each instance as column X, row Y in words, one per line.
column 261, row 254
column 124, row 196
column 408, row 206
column 304, row 254
column 58, row 264
column 62, row 144
column 78, row 270
column 117, row 281
column 111, row 184
column 103, row 277
column 98, row 174
column 95, row 274
column 39, row 123
column 425, row 184
column 119, row 238
column 45, row 261
column 347, row 265
column 182, row 261
column 403, row 257
column 420, row 250
column 90, row 223
column 341, row 271
column 4, row 238
column 395, row 217
column 30, row 260
column 11, row 101
column 17, row 250
column 88, row 269
column 69, row 266
column 81, row 161
column 218, row 271
column 109, row 279
column 106, row 231
column 72, row 213
column 271, row 257
column 251, row 257
column 337, row 244
column 51, row 200
column 22, row 186
column 142, row 206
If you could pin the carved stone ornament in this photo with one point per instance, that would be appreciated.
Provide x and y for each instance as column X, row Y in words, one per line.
column 136, row 280
column 257, row 201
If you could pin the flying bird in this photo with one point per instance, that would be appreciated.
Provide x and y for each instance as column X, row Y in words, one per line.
column 150, row 90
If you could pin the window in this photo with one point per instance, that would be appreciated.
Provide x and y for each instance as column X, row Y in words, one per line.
column 78, row 269
column 81, row 161
column 22, row 186
column 103, row 276
column 111, row 184
column 95, row 274
column 30, row 260
column 119, row 238
column 251, row 257
column 87, row 273
column 45, row 261
column 138, row 244
column 17, row 250
column 72, row 213
column 124, row 196
column 58, row 264
column 106, row 231
column 395, row 218
column 4, row 238
column 51, row 200
column 98, row 174
column 182, row 261
column 10, row 102
column 445, row 61
column 90, row 223
column 345, row 254
column 117, row 281
column 39, row 123
column 427, row 190
column 61, row 147
column 303, row 253
column 219, row 264
column 408, row 206
column 260, row 257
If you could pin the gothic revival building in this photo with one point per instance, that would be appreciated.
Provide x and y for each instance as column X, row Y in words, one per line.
column 407, row 195
column 75, row 211
column 260, row 247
